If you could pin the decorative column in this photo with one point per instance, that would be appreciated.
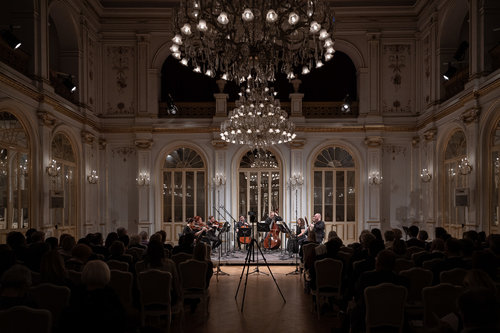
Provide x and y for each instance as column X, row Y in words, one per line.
column 374, row 169
column 142, row 74
column 374, row 71
column 103, row 166
column 415, row 209
column 91, row 188
column 219, row 181
column 46, row 123
column 428, row 199
column 143, row 180
column 221, row 101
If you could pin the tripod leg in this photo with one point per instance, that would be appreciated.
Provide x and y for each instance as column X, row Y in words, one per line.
column 245, row 288
column 269, row 268
column 246, row 264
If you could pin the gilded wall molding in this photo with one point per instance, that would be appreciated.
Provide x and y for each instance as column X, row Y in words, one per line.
column 219, row 144
column 102, row 143
column 430, row 134
column 87, row 137
column 470, row 116
column 415, row 141
column 373, row 141
column 143, row 144
column 46, row 118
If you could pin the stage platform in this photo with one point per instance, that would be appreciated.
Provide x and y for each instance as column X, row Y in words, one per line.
column 237, row 257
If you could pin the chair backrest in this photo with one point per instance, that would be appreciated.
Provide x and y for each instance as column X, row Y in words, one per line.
column 181, row 257
column 385, row 305
column 121, row 282
column 345, row 256
column 75, row 277
column 414, row 249
column 328, row 274
column 154, row 287
column 430, row 264
column 403, row 264
column 136, row 252
column 51, row 297
column 418, row 279
column 308, row 250
column 193, row 274
column 23, row 319
column 36, row 278
column 416, row 256
column 118, row 265
column 439, row 301
column 454, row 276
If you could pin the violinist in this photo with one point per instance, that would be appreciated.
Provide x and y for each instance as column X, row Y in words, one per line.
column 193, row 228
column 212, row 226
column 242, row 223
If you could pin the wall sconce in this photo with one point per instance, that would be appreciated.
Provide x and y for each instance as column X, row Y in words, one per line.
column 464, row 166
column 93, row 177
column 219, row 179
column 425, row 176
column 452, row 172
column 497, row 166
column 296, row 181
column 143, row 179
column 53, row 169
column 374, row 178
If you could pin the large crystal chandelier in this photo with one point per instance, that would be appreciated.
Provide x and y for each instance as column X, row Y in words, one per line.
column 242, row 39
column 258, row 120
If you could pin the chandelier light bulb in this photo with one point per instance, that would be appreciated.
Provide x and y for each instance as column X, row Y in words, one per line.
column 328, row 42
column 225, row 76
column 177, row 39
column 176, row 55
column 319, row 64
column 174, row 48
column 330, row 50
column 323, row 34
column 290, row 76
column 328, row 57
column 293, row 18
column 186, row 29
column 223, row 19
column 271, row 16
column 197, row 69
column 202, row 26
column 247, row 15
column 184, row 61
column 315, row 27
column 208, row 73
column 305, row 70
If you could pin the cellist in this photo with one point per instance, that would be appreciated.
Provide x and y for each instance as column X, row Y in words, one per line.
column 242, row 223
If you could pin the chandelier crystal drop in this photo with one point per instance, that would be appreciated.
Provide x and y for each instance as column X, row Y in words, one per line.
column 236, row 39
column 258, row 120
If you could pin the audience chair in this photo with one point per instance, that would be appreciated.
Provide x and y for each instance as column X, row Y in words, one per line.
column 193, row 280
column 430, row 264
column 136, row 253
column 454, row 276
column 385, row 306
column 439, row 301
column 416, row 256
column 36, row 279
column 403, row 264
column 181, row 257
column 121, row 282
column 140, row 266
column 75, row 277
column 418, row 279
column 154, row 292
column 328, row 280
column 345, row 256
column 414, row 249
column 118, row 265
column 51, row 297
column 23, row 319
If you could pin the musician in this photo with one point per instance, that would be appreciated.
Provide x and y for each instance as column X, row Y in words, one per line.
column 300, row 230
column 193, row 228
column 213, row 226
column 242, row 222
column 317, row 227
column 272, row 218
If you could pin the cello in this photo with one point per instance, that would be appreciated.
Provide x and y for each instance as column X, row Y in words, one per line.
column 272, row 240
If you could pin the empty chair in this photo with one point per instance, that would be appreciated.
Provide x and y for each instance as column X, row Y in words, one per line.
column 181, row 257
column 118, row 265
column 385, row 306
column 403, row 264
column 193, row 281
column 121, row 282
column 418, row 279
column 439, row 301
column 154, row 293
column 328, row 280
column 51, row 297
column 23, row 319
column 454, row 276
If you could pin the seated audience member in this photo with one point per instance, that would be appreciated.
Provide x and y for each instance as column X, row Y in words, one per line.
column 163, row 235
column 200, row 254
column 52, row 242
column 94, row 307
column 377, row 233
column 441, row 233
column 453, row 259
column 389, row 237
column 110, row 239
column 186, row 244
column 35, row 251
column 135, row 241
column 123, row 236
column 7, row 258
column 67, row 244
column 28, row 235
column 79, row 257
column 398, row 234
column 414, row 241
column 436, row 249
column 17, row 243
column 117, row 252
column 399, row 248
column 144, row 238
column 15, row 283
column 95, row 241
column 52, row 269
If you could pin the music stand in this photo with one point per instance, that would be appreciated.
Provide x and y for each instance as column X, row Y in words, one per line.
column 224, row 229
column 283, row 227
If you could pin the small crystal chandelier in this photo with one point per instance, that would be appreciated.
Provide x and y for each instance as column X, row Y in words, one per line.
column 232, row 39
column 464, row 167
column 258, row 120
column 143, row 179
column 425, row 175
column 53, row 169
column 93, row 178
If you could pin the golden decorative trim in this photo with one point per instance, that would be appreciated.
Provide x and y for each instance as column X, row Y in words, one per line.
column 297, row 144
column 470, row 115
column 415, row 141
column 144, row 144
column 87, row 137
column 46, row 118
column 430, row 134
column 374, row 141
column 219, row 144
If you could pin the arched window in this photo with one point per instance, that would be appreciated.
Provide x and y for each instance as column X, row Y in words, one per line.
column 184, row 187
column 14, row 174
column 454, row 215
column 495, row 177
column 334, row 191
column 63, row 215
column 259, row 184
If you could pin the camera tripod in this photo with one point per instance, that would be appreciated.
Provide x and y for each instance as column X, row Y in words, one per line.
column 250, row 250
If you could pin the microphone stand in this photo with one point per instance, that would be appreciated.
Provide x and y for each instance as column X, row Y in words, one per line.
column 219, row 271
column 234, row 225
